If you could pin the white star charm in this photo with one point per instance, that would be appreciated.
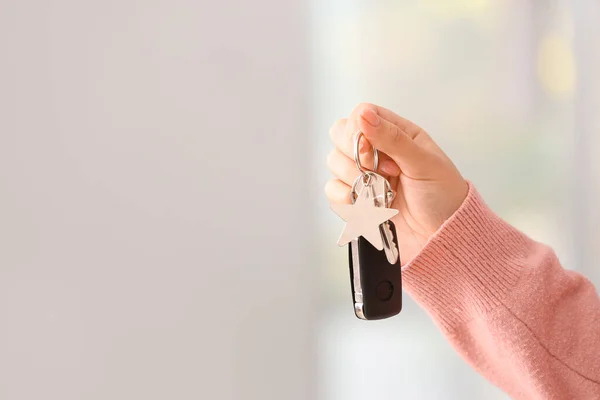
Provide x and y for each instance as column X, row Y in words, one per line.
column 362, row 219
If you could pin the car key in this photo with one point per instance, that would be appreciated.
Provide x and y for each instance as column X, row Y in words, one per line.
column 381, row 198
column 374, row 260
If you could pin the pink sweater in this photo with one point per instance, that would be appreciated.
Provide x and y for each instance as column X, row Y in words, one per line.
column 508, row 307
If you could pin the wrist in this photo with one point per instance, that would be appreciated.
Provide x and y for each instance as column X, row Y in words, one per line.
column 468, row 265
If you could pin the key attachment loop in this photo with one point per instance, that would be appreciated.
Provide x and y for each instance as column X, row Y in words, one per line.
column 357, row 138
column 367, row 178
column 381, row 187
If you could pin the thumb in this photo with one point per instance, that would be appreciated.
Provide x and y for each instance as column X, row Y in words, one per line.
column 393, row 141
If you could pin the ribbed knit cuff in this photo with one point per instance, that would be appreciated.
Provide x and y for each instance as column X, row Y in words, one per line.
column 468, row 266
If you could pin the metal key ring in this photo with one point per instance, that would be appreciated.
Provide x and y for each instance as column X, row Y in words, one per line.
column 357, row 155
column 365, row 180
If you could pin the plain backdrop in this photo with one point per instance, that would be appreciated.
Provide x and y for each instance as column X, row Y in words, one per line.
column 153, row 212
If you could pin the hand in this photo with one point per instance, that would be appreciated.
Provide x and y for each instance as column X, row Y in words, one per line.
column 429, row 188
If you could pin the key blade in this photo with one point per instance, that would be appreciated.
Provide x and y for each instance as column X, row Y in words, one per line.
column 391, row 251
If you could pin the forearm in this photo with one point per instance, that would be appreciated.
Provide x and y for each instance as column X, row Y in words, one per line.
column 508, row 307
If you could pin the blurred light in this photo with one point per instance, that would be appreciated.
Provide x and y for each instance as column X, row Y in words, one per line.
column 475, row 4
column 556, row 66
column 380, row 40
column 457, row 8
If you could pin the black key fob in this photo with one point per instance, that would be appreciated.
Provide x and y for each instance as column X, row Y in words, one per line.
column 376, row 284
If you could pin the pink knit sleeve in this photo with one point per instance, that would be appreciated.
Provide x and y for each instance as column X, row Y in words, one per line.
column 508, row 307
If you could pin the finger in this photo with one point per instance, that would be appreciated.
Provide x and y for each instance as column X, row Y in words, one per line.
column 337, row 192
column 393, row 141
column 342, row 167
column 343, row 131
column 342, row 135
column 337, row 128
column 345, row 168
column 408, row 127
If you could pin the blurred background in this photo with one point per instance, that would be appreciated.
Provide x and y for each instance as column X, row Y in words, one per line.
column 163, row 228
column 510, row 90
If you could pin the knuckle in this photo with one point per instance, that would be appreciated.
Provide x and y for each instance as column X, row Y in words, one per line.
column 331, row 158
column 344, row 196
column 337, row 193
column 363, row 106
column 337, row 126
column 329, row 185
column 347, row 172
column 394, row 133
column 332, row 131
column 328, row 189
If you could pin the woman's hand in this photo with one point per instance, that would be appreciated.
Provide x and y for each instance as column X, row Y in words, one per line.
column 429, row 188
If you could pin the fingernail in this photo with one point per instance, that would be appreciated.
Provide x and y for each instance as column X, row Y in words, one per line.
column 390, row 168
column 371, row 117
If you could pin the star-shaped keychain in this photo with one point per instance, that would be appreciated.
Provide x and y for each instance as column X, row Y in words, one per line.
column 363, row 219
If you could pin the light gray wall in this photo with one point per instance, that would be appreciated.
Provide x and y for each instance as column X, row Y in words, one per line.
column 153, row 213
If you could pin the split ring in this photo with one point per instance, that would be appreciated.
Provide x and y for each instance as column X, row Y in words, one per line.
column 357, row 155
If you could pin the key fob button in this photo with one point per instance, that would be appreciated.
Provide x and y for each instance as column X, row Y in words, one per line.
column 384, row 290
